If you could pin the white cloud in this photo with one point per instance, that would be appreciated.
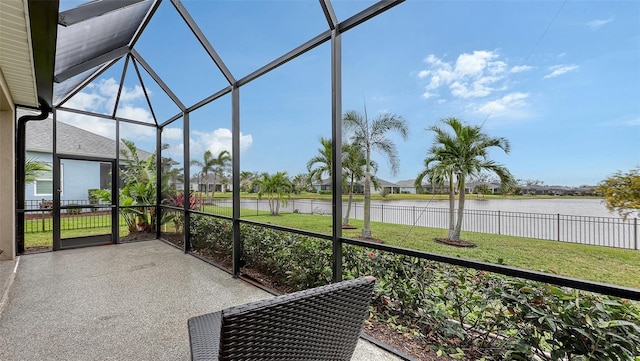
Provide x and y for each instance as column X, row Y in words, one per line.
column 558, row 70
column 509, row 105
column 129, row 112
column 172, row 133
column 216, row 142
column 597, row 23
column 133, row 132
column 100, row 97
column 175, row 152
column 474, row 64
column 473, row 75
column 86, row 101
column 427, row 95
column 520, row 68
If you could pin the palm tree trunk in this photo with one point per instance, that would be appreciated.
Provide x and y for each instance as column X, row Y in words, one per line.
column 215, row 180
column 366, row 230
column 452, row 204
column 206, row 188
column 461, row 197
column 345, row 222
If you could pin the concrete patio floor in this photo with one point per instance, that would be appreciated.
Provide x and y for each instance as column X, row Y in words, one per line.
column 121, row 302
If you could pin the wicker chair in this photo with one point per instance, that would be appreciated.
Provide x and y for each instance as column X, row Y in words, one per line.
column 321, row 323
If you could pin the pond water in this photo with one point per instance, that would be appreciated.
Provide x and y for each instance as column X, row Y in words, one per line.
column 576, row 220
column 566, row 206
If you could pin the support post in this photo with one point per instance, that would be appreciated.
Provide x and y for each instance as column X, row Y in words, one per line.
column 235, row 171
column 187, row 182
column 336, row 135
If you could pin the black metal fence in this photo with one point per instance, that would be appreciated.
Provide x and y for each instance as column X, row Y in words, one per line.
column 599, row 231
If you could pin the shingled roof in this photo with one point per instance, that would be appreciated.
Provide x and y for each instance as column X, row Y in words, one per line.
column 71, row 140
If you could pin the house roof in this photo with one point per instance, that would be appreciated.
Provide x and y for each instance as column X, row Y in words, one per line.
column 71, row 140
column 409, row 183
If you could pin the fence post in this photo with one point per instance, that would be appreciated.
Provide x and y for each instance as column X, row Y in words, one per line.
column 382, row 213
column 498, row 222
column 558, row 227
column 635, row 233
column 414, row 215
column 257, row 207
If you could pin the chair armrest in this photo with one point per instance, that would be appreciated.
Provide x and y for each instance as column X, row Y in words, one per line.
column 204, row 336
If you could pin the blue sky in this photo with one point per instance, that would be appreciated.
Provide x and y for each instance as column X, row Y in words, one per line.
column 559, row 80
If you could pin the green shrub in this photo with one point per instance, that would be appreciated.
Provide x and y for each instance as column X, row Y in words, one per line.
column 211, row 234
column 94, row 198
column 461, row 311
column 493, row 316
column 74, row 211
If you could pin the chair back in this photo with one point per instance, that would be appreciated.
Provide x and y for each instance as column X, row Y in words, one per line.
column 321, row 323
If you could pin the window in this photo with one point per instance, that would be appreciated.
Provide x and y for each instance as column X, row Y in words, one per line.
column 43, row 185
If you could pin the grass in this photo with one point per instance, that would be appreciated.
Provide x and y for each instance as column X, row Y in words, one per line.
column 38, row 238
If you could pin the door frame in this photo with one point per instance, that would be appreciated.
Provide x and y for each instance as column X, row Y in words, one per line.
column 60, row 243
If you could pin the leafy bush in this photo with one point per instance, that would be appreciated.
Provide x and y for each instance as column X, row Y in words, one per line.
column 74, row 211
column 488, row 315
column 177, row 200
column 94, row 198
column 211, row 234
column 299, row 262
column 461, row 311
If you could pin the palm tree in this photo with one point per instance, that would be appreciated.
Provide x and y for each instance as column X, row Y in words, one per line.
column 246, row 180
column 353, row 163
column 459, row 155
column 301, row 182
column 277, row 188
column 220, row 164
column 323, row 161
column 33, row 168
column 214, row 165
column 372, row 135
column 439, row 171
column 353, row 167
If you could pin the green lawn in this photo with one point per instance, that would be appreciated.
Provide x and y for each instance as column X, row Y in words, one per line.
column 89, row 225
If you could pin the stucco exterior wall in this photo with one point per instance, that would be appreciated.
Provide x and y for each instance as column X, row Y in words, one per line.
column 7, row 174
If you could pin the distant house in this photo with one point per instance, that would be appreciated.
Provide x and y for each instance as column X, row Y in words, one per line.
column 407, row 186
column 358, row 187
column 77, row 176
column 494, row 188
column 387, row 187
column 199, row 183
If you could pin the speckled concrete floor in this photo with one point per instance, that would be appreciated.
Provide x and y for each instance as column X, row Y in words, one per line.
column 124, row 302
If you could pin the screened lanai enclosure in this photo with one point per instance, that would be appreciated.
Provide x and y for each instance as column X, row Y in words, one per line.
column 194, row 122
